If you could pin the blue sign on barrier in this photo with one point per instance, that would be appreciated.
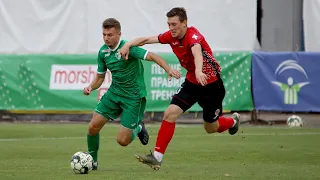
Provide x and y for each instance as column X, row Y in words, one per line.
column 286, row 81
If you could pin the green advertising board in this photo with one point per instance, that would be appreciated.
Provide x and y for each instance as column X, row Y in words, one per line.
column 55, row 82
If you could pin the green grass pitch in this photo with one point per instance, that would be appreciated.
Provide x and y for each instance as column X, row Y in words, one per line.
column 43, row 151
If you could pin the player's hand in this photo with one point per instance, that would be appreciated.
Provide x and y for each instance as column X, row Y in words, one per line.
column 201, row 78
column 124, row 52
column 174, row 73
column 87, row 90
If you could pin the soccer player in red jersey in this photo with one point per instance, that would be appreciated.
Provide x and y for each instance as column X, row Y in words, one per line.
column 203, row 83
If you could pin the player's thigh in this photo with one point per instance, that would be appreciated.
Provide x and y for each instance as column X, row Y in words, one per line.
column 109, row 106
column 133, row 112
column 186, row 96
column 211, row 101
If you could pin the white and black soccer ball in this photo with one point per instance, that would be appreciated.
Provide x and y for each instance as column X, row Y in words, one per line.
column 294, row 121
column 81, row 163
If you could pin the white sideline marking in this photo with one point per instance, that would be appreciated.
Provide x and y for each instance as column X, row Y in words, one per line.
column 176, row 136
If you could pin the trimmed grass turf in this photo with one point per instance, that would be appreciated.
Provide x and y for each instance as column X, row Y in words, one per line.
column 43, row 151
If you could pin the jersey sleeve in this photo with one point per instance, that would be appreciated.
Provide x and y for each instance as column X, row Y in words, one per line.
column 194, row 38
column 138, row 53
column 165, row 38
column 102, row 68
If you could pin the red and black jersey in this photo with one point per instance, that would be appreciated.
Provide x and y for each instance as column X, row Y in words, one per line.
column 182, row 49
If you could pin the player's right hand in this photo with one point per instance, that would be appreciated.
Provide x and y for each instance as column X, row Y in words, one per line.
column 201, row 78
column 174, row 73
column 87, row 90
column 124, row 51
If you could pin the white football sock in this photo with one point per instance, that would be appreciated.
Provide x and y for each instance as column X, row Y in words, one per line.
column 234, row 123
column 158, row 156
column 140, row 127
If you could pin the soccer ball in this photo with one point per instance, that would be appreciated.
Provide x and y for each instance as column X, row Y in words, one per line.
column 81, row 163
column 294, row 121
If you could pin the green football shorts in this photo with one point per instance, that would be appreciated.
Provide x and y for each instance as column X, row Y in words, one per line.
column 131, row 109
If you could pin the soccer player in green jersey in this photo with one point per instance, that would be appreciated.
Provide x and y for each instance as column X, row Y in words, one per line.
column 126, row 95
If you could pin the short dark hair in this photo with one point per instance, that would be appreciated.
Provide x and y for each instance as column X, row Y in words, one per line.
column 111, row 23
column 178, row 11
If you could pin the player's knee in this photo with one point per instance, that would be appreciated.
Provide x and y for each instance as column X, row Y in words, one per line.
column 172, row 113
column 96, row 123
column 122, row 141
column 211, row 127
column 124, row 136
column 93, row 129
column 169, row 116
column 211, row 130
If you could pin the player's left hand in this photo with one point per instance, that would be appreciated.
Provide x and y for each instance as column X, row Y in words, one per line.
column 201, row 78
column 174, row 73
column 124, row 52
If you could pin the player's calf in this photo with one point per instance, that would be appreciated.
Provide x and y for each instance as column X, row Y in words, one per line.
column 93, row 137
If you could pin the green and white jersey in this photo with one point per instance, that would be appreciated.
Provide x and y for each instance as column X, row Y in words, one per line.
column 127, row 75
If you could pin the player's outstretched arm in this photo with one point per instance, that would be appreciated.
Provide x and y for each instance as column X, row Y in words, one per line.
column 198, row 60
column 95, row 84
column 124, row 51
column 162, row 63
column 143, row 40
